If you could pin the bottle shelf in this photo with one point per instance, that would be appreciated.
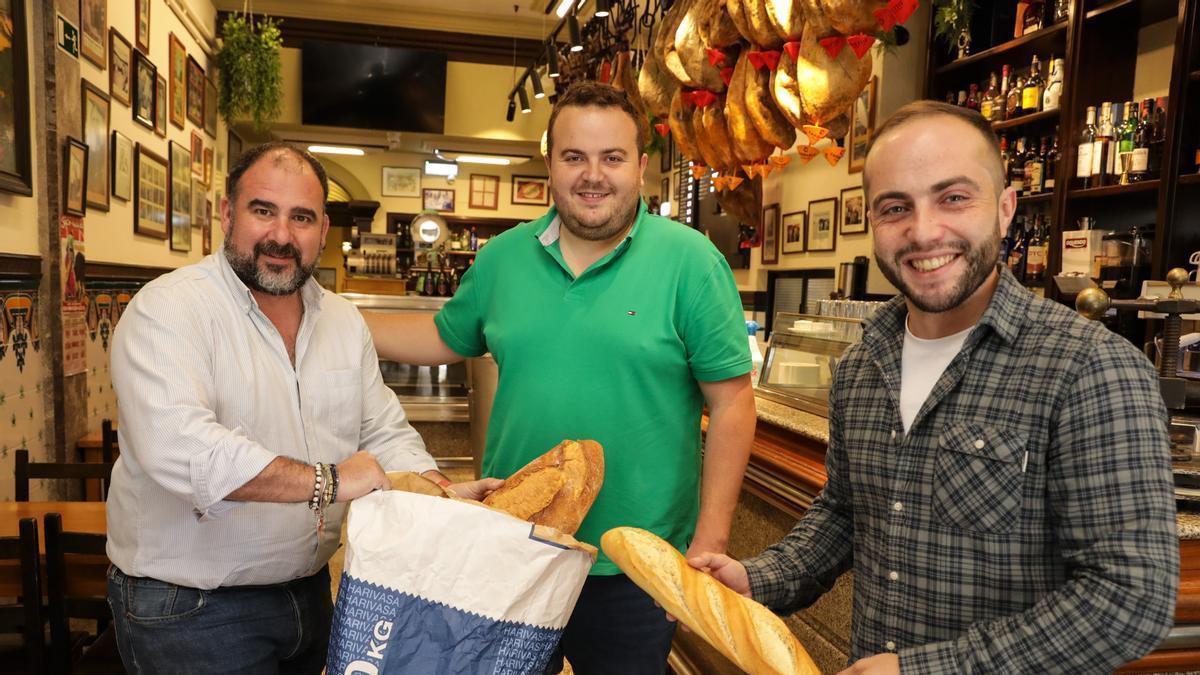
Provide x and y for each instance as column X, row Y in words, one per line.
column 1149, row 11
column 1037, row 41
column 1150, row 186
column 1034, row 199
column 1190, row 179
column 1024, row 120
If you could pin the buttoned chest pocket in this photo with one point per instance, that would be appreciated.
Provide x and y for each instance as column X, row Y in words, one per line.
column 979, row 478
column 340, row 396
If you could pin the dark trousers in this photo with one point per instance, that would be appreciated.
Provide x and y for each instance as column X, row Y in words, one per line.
column 615, row 628
column 165, row 628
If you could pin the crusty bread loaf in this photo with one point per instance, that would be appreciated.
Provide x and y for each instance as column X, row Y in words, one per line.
column 556, row 489
column 749, row 634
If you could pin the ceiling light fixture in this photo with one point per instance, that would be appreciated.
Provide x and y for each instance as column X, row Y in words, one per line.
column 602, row 8
column 483, row 159
column 573, row 32
column 538, row 92
column 564, row 7
column 521, row 94
column 552, row 59
column 512, row 110
column 335, row 150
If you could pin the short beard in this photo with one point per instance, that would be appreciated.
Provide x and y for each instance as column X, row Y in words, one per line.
column 265, row 281
column 981, row 262
column 604, row 231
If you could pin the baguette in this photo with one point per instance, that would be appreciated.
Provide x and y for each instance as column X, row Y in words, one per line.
column 746, row 632
column 555, row 489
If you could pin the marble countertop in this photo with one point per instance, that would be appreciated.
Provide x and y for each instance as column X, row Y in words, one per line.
column 817, row 428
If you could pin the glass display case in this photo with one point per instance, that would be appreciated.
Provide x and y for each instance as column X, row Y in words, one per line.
column 801, row 356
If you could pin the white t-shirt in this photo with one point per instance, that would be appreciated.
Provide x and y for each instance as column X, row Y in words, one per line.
column 922, row 363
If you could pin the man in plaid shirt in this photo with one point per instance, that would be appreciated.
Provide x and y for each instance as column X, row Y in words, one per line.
column 998, row 468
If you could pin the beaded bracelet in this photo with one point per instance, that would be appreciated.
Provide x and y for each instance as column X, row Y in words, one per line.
column 314, row 504
column 327, row 492
column 336, row 480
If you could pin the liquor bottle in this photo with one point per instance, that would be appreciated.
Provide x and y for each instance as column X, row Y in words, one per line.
column 989, row 96
column 1083, row 150
column 1016, row 252
column 453, row 281
column 443, row 283
column 1035, row 170
column 1125, row 137
column 1034, row 16
column 950, row 98
column 1031, row 93
column 1054, row 86
column 429, row 287
column 1157, row 137
column 474, row 239
column 962, row 98
column 1062, row 10
column 1051, row 162
column 1140, row 164
column 1001, row 101
column 1016, row 170
column 1005, row 158
column 1102, row 147
column 1035, row 252
column 1012, row 107
column 973, row 97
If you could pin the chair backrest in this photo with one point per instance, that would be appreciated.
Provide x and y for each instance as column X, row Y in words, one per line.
column 24, row 470
column 67, row 551
column 108, row 441
column 26, row 616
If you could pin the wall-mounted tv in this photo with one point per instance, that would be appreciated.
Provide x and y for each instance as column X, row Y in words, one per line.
column 367, row 87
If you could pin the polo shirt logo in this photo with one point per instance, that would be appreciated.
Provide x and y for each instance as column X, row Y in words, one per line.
column 631, row 313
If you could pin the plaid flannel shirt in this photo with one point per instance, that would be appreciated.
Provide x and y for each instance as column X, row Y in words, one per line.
column 1025, row 523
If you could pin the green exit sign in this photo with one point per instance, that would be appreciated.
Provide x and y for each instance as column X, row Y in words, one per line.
column 68, row 37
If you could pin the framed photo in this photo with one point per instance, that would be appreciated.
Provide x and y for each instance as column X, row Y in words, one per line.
column 93, row 29
column 141, row 9
column 195, row 92
column 160, row 106
column 197, row 155
column 96, row 106
column 199, row 199
column 437, row 200
column 206, row 229
column 854, row 211
column 210, row 108
column 667, row 159
column 485, row 192
column 235, row 150
column 770, row 236
column 208, row 166
column 862, row 125
column 16, row 172
column 793, row 230
column 177, row 69
column 120, row 67
column 75, row 159
column 822, row 217
column 181, row 197
column 398, row 181
column 665, row 189
column 122, row 166
column 151, row 177
column 145, row 81
column 531, row 190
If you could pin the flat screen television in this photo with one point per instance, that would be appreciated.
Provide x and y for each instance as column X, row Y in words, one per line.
column 367, row 87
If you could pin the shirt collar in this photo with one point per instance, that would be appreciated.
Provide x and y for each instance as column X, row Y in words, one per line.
column 550, row 228
column 310, row 293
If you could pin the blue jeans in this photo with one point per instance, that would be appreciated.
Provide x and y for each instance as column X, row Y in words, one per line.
column 615, row 628
column 165, row 628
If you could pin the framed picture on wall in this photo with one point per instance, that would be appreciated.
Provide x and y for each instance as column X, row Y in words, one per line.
column 160, row 106
column 16, row 173
column 770, row 234
column 199, row 199
column 664, row 192
column 862, row 125
column 122, row 166
column 485, row 192
column 822, row 219
column 235, row 147
column 181, row 197
column 197, row 155
column 152, row 180
column 793, row 230
column 666, row 158
column 141, row 9
column 95, row 134
column 399, row 181
column 206, row 229
column 437, row 200
column 208, row 166
column 854, row 211
column 177, row 69
column 75, row 159
column 120, row 67
column 195, row 92
column 93, row 30
column 144, row 82
column 210, row 108
column 531, row 190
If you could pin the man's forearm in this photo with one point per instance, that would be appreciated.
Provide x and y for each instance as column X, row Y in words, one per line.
column 284, row 480
column 406, row 337
column 726, row 451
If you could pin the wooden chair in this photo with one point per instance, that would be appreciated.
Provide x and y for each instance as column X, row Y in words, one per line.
column 109, row 440
column 23, row 645
column 78, row 652
column 24, row 470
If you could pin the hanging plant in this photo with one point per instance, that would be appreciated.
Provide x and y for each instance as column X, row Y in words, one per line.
column 952, row 21
column 251, row 82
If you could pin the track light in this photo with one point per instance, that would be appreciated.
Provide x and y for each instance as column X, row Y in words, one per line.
column 524, row 99
column 573, row 32
column 601, row 8
column 512, row 110
column 536, row 80
column 552, row 59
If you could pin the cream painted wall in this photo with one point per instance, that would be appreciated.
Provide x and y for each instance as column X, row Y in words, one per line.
column 368, row 169
column 109, row 236
column 1156, row 51
column 18, row 213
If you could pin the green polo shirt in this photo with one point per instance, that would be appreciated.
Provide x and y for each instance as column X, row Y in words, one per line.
column 612, row 355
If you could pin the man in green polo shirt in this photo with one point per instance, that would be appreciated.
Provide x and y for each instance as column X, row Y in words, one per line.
column 612, row 324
